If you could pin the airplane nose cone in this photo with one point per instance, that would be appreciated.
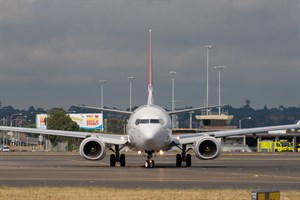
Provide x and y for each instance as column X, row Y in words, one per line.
column 151, row 137
column 149, row 134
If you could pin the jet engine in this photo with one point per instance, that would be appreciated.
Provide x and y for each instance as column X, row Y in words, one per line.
column 207, row 148
column 92, row 148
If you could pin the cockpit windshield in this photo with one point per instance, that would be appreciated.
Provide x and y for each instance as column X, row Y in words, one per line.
column 154, row 121
column 148, row 121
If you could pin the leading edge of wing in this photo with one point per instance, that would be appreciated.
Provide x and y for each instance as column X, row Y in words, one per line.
column 191, row 138
column 106, row 138
column 106, row 109
column 193, row 109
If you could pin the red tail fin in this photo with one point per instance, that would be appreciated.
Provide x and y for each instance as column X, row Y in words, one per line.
column 150, row 70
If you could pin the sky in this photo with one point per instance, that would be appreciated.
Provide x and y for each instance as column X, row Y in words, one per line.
column 54, row 52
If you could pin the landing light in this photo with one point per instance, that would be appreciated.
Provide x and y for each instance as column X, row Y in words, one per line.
column 139, row 152
column 161, row 152
column 178, row 138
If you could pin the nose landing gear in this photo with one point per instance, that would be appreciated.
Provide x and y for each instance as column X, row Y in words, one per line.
column 149, row 163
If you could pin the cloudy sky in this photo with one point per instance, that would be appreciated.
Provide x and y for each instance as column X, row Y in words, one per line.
column 54, row 52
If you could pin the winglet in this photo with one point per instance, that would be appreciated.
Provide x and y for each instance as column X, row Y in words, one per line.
column 150, row 71
column 298, row 122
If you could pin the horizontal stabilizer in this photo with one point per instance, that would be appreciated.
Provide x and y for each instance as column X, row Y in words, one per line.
column 106, row 109
column 193, row 109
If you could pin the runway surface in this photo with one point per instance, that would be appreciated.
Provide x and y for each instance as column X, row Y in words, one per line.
column 238, row 170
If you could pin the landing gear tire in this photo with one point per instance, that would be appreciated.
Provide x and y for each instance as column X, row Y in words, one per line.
column 122, row 160
column 178, row 160
column 112, row 160
column 188, row 160
column 149, row 164
column 153, row 163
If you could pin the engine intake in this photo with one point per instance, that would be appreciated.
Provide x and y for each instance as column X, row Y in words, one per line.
column 92, row 148
column 207, row 148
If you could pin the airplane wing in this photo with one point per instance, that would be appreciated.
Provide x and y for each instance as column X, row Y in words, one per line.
column 169, row 112
column 191, row 138
column 106, row 138
column 106, row 109
column 193, row 109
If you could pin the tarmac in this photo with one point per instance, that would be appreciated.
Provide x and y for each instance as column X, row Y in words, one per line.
column 253, row 171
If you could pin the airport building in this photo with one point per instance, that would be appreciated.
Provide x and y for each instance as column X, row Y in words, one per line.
column 247, row 143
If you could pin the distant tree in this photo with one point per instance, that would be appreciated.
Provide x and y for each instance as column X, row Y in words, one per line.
column 59, row 120
column 31, row 109
column 248, row 102
column 30, row 126
column 115, row 126
column 281, row 108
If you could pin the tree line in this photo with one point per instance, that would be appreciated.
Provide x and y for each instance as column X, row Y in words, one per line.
column 115, row 122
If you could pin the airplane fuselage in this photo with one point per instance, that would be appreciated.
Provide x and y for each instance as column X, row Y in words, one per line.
column 149, row 128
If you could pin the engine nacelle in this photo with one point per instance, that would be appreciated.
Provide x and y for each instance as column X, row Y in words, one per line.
column 207, row 148
column 92, row 148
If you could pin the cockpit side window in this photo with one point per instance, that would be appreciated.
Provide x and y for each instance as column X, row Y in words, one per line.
column 161, row 121
column 137, row 121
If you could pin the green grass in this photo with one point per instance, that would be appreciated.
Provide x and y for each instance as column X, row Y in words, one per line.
column 82, row 193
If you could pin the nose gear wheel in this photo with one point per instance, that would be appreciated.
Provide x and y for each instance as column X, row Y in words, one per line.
column 149, row 162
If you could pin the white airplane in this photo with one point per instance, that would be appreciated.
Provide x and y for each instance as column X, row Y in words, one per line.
column 149, row 130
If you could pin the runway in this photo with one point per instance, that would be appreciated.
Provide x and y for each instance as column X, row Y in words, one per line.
column 239, row 170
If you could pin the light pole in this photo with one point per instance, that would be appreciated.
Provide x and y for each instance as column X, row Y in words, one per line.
column 240, row 126
column 102, row 82
column 11, row 122
column 173, row 73
column 18, row 133
column 131, row 78
column 207, row 72
column 219, row 68
column 191, row 119
column 240, row 121
column 12, row 117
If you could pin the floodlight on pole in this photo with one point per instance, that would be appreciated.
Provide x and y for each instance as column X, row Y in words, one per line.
column 191, row 119
column 102, row 82
column 240, row 121
column 18, row 114
column 173, row 73
column 219, row 68
column 131, row 78
column 207, row 72
column 240, row 126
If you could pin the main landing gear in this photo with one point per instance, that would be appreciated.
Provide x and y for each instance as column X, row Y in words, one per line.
column 183, row 157
column 149, row 163
column 117, row 157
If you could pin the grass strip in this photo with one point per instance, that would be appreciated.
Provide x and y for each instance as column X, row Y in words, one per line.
column 74, row 193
